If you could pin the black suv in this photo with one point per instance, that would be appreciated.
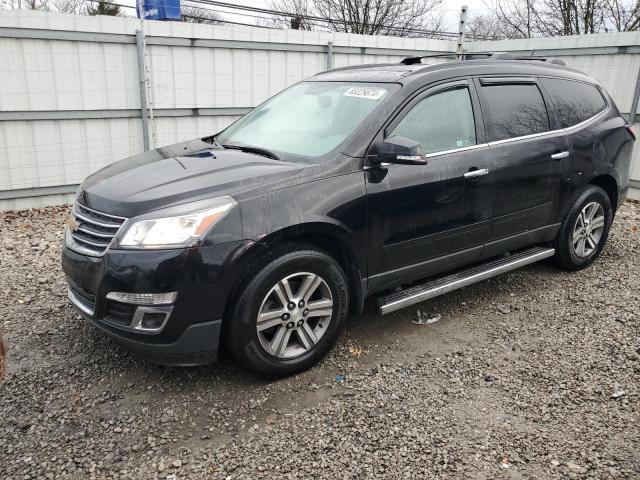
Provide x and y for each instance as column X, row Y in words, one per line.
column 358, row 181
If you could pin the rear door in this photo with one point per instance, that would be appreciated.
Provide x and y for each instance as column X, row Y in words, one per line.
column 529, row 155
column 577, row 105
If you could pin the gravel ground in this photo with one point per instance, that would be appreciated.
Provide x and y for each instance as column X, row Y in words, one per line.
column 534, row 374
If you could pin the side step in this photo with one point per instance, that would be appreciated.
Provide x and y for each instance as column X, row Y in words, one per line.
column 439, row 286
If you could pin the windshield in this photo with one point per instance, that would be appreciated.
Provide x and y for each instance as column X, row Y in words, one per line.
column 308, row 119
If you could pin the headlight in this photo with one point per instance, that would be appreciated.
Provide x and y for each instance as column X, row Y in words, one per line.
column 179, row 230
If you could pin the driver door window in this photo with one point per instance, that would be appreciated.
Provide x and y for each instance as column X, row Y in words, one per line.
column 440, row 122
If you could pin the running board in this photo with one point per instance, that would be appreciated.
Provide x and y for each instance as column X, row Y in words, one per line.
column 439, row 286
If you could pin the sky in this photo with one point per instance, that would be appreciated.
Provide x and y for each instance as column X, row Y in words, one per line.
column 451, row 9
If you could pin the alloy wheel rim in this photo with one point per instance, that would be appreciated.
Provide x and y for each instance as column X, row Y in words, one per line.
column 588, row 229
column 294, row 315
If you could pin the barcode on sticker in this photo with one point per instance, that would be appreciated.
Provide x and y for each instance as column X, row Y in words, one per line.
column 365, row 92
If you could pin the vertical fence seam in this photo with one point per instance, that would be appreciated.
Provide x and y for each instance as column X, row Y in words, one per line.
column 142, row 78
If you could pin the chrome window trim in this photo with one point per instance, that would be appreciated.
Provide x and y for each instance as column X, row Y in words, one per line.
column 443, row 152
column 455, row 150
column 550, row 133
column 564, row 131
column 584, row 123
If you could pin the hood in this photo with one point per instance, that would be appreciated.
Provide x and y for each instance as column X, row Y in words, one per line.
column 178, row 174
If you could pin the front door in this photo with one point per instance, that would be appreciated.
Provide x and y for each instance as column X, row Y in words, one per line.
column 423, row 219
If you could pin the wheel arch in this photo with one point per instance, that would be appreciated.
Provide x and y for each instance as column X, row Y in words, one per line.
column 327, row 237
column 609, row 184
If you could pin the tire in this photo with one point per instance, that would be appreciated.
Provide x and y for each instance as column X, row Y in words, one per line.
column 310, row 335
column 590, row 201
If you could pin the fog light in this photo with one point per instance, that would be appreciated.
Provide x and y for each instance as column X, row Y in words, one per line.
column 150, row 319
column 143, row 298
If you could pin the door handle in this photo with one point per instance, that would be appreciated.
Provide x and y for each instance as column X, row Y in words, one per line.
column 560, row 155
column 476, row 173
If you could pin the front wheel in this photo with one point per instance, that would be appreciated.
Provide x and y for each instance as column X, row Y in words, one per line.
column 290, row 313
column 585, row 229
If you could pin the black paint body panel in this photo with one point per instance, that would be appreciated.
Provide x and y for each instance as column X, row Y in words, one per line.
column 389, row 224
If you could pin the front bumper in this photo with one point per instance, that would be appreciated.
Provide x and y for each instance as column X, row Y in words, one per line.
column 198, row 345
column 202, row 277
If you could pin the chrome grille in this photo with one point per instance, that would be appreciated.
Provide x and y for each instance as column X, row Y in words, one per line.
column 82, row 299
column 94, row 230
column 84, row 296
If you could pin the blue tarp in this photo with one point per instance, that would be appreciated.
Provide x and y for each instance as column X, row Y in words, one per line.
column 158, row 9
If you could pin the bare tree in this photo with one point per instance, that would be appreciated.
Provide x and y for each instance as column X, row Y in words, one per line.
column 545, row 18
column 517, row 18
column 104, row 8
column 30, row 4
column 296, row 15
column 485, row 27
column 529, row 18
column 404, row 18
column 623, row 16
column 75, row 7
column 569, row 17
column 192, row 14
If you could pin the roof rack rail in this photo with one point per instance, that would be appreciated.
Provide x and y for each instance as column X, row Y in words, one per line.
column 488, row 55
column 417, row 59
column 512, row 56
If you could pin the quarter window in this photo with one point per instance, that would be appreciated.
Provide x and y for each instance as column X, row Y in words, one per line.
column 574, row 101
column 515, row 110
column 442, row 121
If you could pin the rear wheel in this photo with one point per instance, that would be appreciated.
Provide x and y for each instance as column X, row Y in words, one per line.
column 584, row 230
column 290, row 313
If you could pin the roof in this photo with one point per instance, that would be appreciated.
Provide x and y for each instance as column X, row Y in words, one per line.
column 375, row 72
column 399, row 72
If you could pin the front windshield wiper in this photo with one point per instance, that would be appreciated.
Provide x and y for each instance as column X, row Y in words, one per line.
column 249, row 149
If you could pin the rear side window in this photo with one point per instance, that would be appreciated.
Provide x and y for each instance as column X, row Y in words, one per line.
column 440, row 122
column 515, row 110
column 575, row 102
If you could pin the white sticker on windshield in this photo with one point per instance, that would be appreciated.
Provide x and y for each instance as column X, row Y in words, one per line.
column 365, row 92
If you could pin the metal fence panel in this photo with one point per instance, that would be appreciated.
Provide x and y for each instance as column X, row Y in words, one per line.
column 70, row 92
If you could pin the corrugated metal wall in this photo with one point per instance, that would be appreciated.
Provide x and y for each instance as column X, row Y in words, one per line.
column 70, row 92
column 200, row 77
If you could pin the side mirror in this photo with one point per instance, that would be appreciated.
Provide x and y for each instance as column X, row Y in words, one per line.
column 401, row 150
